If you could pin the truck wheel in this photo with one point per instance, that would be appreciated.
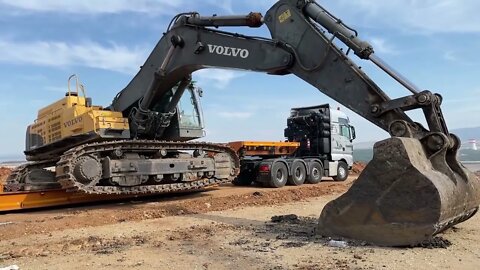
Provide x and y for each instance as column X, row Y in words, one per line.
column 278, row 175
column 342, row 172
column 316, row 173
column 243, row 180
column 299, row 173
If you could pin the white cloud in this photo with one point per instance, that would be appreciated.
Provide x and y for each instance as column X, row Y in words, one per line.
column 450, row 56
column 220, row 78
column 235, row 115
column 382, row 46
column 93, row 6
column 60, row 54
column 56, row 89
column 259, row 4
column 226, row 5
column 431, row 16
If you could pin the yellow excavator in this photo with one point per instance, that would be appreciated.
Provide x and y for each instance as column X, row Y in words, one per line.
column 143, row 143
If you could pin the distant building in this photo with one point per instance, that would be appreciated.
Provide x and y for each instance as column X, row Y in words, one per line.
column 472, row 144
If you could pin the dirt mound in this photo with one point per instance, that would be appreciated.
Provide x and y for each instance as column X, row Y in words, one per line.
column 4, row 173
column 358, row 167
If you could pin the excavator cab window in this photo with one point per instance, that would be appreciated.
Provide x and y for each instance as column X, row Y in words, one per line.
column 189, row 115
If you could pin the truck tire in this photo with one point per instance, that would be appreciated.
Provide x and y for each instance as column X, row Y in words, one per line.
column 278, row 175
column 342, row 172
column 316, row 173
column 299, row 173
column 243, row 180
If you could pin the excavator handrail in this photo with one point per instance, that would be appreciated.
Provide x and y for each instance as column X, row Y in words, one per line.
column 78, row 86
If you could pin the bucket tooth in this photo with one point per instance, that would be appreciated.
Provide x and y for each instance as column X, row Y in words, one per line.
column 400, row 199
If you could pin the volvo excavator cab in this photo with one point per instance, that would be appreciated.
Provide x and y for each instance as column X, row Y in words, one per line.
column 187, row 123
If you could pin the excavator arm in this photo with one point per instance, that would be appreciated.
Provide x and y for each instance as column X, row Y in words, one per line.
column 298, row 45
column 414, row 187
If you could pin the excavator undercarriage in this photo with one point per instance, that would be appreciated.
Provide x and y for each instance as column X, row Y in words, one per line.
column 414, row 188
column 131, row 168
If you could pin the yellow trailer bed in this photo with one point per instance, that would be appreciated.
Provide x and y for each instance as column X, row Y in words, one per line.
column 256, row 148
column 12, row 201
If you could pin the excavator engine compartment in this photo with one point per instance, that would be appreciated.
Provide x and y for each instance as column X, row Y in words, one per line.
column 71, row 121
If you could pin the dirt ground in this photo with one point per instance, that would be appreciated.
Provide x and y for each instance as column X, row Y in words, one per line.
column 223, row 228
column 4, row 173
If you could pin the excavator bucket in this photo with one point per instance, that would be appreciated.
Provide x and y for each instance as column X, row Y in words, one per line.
column 404, row 196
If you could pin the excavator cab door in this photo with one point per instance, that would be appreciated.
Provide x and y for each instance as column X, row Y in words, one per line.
column 187, row 123
column 189, row 110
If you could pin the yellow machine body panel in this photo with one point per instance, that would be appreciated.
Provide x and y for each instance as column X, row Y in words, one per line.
column 73, row 116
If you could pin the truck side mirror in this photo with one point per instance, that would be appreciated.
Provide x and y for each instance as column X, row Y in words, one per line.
column 353, row 134
column 200, row 92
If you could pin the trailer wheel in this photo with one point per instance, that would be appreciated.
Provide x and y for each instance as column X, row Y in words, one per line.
column 299, row 173
column 243, row 179
column 316, row 173
column 342, row 172
column 278, row 175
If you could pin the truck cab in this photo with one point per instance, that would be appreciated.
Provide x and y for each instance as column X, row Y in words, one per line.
column 342, row 136
column 325, row 134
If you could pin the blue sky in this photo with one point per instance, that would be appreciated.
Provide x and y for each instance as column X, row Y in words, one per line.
column 433, row 43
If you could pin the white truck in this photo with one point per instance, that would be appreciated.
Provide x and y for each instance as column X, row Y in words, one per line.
column 319, row 143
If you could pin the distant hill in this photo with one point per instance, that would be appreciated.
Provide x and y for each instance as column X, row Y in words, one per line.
column 363, row 151
column 363, row 145
column 11, row 158
column 364, row 155
column 466, row 134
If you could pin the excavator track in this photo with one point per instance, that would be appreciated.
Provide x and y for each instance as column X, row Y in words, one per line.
column 65, row 167
column 65, row 178
column 18, row 180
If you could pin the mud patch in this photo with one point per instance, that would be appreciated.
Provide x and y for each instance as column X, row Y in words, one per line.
column 197, row 232
column 292, row 227
column 285, row 219
column 436, row 242
column 282, row 232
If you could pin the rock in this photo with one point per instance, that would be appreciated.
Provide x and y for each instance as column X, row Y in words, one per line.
column 337, row 244
column 257, row 194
